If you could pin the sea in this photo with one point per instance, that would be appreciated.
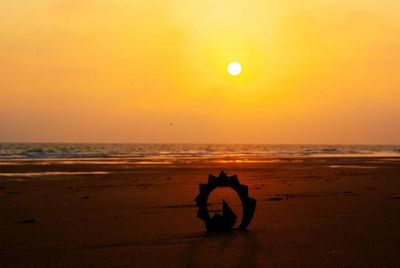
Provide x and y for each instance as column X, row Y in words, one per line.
column 168, row 153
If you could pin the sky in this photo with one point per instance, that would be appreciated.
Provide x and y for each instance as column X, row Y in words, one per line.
column 318, row 71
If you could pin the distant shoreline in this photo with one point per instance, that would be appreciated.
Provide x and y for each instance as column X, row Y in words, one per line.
column 183, row 152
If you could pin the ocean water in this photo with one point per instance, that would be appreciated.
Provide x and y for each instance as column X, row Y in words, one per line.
column 186, row 152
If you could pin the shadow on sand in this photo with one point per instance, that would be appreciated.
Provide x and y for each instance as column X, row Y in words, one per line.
column 236, row 249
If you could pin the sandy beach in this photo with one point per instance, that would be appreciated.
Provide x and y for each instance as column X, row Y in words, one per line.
column 114, row 114
column 311, row 212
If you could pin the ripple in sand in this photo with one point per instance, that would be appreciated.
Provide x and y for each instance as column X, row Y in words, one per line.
column 51, row 173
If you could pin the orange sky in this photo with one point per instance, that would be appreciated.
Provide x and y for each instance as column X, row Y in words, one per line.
column 121, row 71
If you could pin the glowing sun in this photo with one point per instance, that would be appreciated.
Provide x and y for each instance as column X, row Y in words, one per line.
column 234, row 68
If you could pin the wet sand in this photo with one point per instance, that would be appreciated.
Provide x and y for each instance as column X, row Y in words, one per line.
column 311, row 212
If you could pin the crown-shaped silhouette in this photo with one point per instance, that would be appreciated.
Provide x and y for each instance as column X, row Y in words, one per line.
column 225, row 222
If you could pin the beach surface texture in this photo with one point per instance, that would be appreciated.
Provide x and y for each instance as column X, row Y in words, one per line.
column 311, row 212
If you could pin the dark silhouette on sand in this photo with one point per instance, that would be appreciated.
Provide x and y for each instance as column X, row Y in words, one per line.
column 222, row 223
column 226, row 221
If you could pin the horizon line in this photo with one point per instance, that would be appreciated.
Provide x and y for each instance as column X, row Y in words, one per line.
column 197, row 143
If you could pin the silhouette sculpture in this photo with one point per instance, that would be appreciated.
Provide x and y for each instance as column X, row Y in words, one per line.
column 222, row 223
column 226, row 221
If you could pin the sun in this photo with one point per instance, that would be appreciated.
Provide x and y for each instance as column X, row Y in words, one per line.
column 234, row 68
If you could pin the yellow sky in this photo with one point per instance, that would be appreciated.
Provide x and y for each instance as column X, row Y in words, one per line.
column 314, row 71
